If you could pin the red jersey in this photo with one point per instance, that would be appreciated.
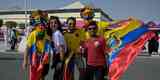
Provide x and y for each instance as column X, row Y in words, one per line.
column 95, row 51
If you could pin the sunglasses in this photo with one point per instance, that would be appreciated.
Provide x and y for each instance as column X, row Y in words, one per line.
column 92, row 28
column 89, row 29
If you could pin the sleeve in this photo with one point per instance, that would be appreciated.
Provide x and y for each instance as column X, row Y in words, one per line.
column 59, row 41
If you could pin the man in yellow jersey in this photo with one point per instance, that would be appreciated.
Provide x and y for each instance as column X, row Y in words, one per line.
column 87, row 14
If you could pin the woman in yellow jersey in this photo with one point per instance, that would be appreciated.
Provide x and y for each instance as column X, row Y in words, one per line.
column 73, row 38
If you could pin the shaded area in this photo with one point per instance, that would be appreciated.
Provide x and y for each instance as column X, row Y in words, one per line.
column 143, row 68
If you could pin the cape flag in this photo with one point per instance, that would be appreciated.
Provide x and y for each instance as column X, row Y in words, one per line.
column 130, row 37
column 126, row 56
column 36, row 66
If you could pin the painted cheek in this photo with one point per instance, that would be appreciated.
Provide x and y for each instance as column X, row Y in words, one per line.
column 42, row 27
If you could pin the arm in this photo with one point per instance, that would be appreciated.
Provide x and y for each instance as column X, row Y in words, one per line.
column 26, row 54
column 69, row 57
column 61, row 52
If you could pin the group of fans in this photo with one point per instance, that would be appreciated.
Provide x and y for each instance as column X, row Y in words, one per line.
column 48, row 45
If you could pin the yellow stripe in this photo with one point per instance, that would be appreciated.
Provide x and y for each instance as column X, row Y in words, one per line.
column 124, row 29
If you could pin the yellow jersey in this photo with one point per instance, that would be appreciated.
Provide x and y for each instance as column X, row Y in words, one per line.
column 73, row 39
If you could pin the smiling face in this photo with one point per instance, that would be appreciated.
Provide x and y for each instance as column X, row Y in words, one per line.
column 92, row 29
column 53, row 24
column 71, row 24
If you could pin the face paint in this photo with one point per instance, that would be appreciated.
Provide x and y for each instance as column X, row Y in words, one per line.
column 87, row 14
column 40, row 35
column 42, row 27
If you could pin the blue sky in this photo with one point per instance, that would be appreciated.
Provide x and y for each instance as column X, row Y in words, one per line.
column 118, row 9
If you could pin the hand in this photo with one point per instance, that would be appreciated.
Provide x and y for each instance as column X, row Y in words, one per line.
column 59, row 65
column 97, row 44
column 67, row 61
column 40, row 68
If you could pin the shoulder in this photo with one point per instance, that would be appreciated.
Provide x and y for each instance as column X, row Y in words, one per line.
column 33, row 33
column 31, row 38
column 58, row 33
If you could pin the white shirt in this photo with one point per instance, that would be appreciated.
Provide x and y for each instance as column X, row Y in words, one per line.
column 58, row 40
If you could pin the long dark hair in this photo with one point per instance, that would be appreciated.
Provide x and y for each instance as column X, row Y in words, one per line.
column 58, row 21
column 49, row 30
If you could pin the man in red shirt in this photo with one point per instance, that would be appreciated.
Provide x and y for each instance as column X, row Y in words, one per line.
column 95, row 49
